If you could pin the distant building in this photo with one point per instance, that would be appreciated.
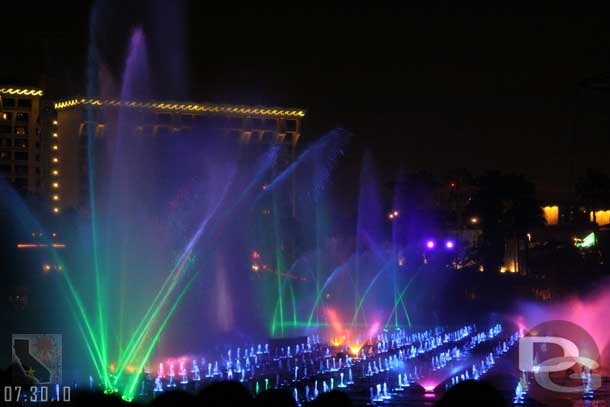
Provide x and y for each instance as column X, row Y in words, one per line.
column 253, row 127
column 21, row 144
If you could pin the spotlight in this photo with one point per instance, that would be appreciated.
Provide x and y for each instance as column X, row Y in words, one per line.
column 430, row 244
column 449, row 244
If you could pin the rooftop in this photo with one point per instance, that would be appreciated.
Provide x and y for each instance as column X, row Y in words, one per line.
column 8, row 90
column 186, row 107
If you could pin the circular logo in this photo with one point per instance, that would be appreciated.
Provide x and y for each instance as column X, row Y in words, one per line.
column 558, row 362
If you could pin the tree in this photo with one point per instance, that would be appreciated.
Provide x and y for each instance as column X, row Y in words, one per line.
column 593, row 189
column 507, row 207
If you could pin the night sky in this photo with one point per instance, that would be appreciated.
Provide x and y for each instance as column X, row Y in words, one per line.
column 422, row 88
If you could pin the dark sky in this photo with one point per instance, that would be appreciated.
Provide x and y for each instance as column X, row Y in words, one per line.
column 431, row 88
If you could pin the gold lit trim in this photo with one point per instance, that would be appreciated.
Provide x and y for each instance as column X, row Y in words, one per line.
column 21, row 92
column 182, row 107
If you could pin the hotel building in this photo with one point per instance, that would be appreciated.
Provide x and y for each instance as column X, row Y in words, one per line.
column 254, row 128
column 21, row 144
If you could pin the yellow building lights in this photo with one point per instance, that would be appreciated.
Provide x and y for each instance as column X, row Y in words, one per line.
column 551, row 214
column 20, row 92
column 55, row 184
column 55, row 197
column 183, row 107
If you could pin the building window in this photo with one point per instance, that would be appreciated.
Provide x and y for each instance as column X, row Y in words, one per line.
column 20, row 131
column 6, row 128
column 6, row 142
column 235, row 122
column 270, row 124
column 162, row 131
column 164, row 118
column 6, row 116
column 21, row 183
column 218, row 122
column 257, row 123
column 22, row 143
column 19, row 156
column 5, row 155
column 8, row 102
column 186, row 119
column 148, row 118
column 25, row 103
column 268, row 137
column 22, row 117
column 291, row 125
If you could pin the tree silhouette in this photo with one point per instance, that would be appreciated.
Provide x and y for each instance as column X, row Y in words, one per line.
column 507, row 207
column 593, row 189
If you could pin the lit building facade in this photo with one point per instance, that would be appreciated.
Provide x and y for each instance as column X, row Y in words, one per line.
column 254, row 128
column 21, row 144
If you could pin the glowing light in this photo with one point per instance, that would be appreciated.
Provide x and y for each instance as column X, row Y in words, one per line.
column 255, row 267
column 355, row 349
column 184, row 107
column 55, row 172
column 23, row 92
column 46, row 267
column 529, row 237
column 551, row 214
column 4, row 116
column 502, row 269
column 55, row 123
column 602, row 217
column 55, row 147
column 55, row 209
column 55, row 159
column 55, row 184
column 449, row 244
column 430, row 244
column 474, row 220
column 55, row 135
column 56, row 197
column 587, row 242
column 255, row 255
column 453, row 185
column 481, row 268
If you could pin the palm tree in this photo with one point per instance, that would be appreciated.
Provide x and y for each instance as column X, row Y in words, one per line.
column 593, row 190
column 507, row 207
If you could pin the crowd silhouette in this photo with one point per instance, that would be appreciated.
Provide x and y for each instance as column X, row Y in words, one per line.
column 233, row 394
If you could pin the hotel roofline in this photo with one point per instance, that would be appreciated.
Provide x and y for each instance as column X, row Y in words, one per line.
column 19, row 91
column 182, row 107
